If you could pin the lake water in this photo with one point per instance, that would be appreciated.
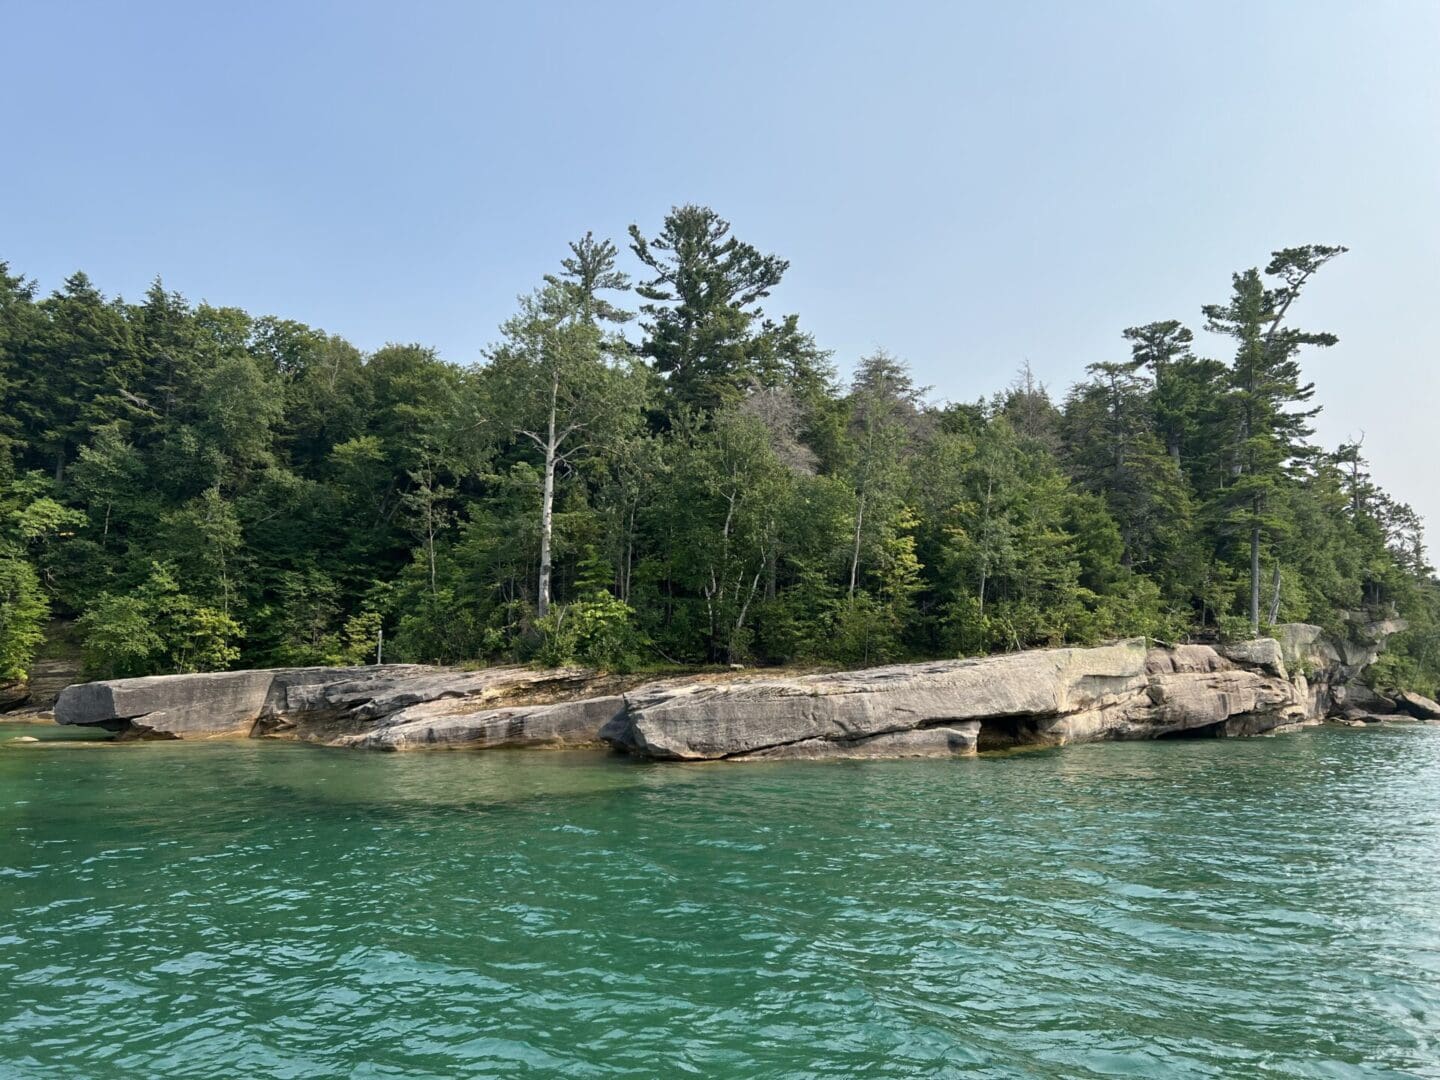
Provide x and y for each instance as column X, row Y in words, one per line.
column 1247, row 908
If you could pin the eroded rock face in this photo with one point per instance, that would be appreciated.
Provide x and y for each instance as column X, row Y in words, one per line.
column 1049, row 697
column 948, row 740
column 1044, row 697
column 325, row 704
column 443, row 724
column 943, row 708
column 690, row 722
column 1417, row 705
column 1262, row 653
column 194, row 706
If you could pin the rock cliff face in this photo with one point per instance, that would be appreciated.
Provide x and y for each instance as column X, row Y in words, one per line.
column 944, row 708
column 1049, row 697
column 1331, row 664
column 391, row 705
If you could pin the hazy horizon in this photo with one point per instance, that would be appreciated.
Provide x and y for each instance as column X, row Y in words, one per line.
column 971, row 189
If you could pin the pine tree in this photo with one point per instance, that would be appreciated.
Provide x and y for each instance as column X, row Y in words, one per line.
column 702, row 304
column 1265, row 386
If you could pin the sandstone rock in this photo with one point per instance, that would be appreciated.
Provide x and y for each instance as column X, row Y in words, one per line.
column 699, row 722
column 444, row 724
column 1050, row 697
column 951, row 740
column 219, row 703
column 945, row 708
column 14, row 695
column 320, row 699
column 1417, row 705
column 1262, row 653
column 1359, row 698
column 1185, row 659
column 1300, row 643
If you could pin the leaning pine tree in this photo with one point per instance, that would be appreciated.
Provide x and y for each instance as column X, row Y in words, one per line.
column 1269, row 433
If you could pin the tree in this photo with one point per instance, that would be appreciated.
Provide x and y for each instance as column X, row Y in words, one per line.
column 722, row 518
column 585, row 273
column 20, row 323
column 82, row 373
column 202, row 487
column 560, row 393
column 1264, row 386
column 23, row 611
column 886, row 410
column 1114, row 451
column 702, row 302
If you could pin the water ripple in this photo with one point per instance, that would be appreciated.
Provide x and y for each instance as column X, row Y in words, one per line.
column 1257, row 908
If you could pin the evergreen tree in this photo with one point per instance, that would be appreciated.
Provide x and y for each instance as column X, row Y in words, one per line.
column 1264, row 387
column 702, row 305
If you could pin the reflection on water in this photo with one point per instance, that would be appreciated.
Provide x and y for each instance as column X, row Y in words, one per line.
column 1265, row 907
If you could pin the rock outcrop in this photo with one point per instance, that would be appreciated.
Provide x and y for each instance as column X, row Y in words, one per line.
column 1332, row 663
column 436, row 725
column 1046, row 697
column 1417, row 705
column 321, row 704
column 943, row 708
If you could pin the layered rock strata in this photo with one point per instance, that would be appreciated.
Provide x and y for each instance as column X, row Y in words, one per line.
column 328, row 704
column 942, row 708
column 1047, row 697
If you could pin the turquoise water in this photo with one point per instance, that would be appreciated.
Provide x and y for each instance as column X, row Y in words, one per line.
column 1262, row 907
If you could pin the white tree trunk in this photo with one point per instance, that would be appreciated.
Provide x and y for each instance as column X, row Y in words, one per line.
column 547, row 509
column 855, row 556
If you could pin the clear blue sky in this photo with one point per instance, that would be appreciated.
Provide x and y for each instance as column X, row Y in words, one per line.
column 968, row 185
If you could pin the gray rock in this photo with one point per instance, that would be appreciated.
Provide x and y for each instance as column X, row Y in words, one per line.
column 1185, row 659
column 1359, row 698
column 14, row 695
column 951, row 740
column 1299, row 642
column 215, row 704
column 321, row 703
column 1417, row 705
column 1263, row 653
column 696, row 722
column 1050, row 697
column 445, row 724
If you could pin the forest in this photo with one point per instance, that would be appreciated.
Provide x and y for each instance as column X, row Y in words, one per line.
column 646, row 469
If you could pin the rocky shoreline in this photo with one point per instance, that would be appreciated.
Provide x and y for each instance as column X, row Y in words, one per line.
column 1052, row 697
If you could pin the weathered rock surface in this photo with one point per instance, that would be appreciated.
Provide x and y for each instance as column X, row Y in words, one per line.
column 684, row 721
column 949, row 740
column 443, row 724
column 944, row 708
column 1052, row 697
column 1262, row 653
column 14, row 695
column 1417, row 705
column 316, row 703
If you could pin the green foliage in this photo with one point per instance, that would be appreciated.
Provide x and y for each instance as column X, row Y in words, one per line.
column 23, row 611
column 202, row 488
column 156, row 628
column 598, row 631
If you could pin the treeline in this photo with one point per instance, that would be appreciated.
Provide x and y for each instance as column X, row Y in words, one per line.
column 652, row 470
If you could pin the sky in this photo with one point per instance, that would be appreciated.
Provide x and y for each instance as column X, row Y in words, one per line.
column 972, row 186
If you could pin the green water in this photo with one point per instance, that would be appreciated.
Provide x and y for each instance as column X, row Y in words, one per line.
column 1263, row 907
